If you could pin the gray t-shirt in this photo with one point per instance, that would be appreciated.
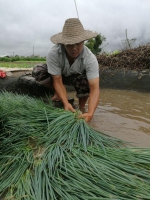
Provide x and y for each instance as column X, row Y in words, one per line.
column 58, row 63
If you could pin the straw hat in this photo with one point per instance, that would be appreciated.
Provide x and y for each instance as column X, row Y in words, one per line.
column 73, row 32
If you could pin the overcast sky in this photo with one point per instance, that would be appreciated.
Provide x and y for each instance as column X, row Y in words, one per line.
column 25, row 24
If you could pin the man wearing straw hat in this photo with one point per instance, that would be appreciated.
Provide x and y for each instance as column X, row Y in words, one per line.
column 69, row 62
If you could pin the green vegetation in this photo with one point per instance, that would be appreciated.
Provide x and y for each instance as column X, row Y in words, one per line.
column 49, row 153
column 94, row 44
column 115, row 52
column 21, row 61
column 21, row 58
column 20, row 64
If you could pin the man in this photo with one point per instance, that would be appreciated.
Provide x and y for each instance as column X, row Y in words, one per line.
column 70, row 62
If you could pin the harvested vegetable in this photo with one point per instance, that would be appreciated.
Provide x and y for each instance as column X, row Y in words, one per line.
column 49, row 153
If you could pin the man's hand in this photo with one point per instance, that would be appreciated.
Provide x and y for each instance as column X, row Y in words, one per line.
column 87, row 116
column 55, row 97
column 68, row 106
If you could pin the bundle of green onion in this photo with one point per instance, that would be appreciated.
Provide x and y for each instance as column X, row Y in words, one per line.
column 50, row 154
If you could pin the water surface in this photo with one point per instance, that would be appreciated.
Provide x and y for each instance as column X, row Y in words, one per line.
column 124, row 114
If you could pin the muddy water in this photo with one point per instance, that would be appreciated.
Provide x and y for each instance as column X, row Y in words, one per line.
column 123, row 114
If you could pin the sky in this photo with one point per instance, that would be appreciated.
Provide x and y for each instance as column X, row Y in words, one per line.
column 27, row 25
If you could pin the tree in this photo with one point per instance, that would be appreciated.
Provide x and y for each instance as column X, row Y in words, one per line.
column 94, row 44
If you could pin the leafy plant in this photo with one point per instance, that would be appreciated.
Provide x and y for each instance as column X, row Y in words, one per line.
column 94, row 43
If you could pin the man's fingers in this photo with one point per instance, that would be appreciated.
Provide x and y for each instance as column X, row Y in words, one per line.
column 81, row 116
column 69, row 107
column 55, row 99
column 73, row 110
column 86, row 116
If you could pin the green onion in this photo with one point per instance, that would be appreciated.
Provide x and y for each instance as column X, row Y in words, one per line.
column 49, row 153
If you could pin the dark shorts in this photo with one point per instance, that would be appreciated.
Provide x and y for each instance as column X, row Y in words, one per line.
column 78, row 81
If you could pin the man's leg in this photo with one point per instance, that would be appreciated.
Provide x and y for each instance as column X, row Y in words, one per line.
column 43, row 78
column 82, row 102
column 81, row 86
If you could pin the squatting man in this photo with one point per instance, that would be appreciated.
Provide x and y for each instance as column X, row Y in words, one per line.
column 70, row 62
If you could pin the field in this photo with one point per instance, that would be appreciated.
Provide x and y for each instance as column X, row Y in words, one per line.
column 20, row 64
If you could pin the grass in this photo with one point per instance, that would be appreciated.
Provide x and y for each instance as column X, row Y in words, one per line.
column 20, row 64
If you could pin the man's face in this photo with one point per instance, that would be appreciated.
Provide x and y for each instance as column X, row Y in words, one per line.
column 74, row 49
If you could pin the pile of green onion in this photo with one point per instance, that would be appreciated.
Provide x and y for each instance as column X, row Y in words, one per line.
column 48, row 153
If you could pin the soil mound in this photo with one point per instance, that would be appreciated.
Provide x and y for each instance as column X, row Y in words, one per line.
column 133, row 59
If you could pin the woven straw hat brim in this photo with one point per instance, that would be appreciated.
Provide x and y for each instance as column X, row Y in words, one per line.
column 58, row 39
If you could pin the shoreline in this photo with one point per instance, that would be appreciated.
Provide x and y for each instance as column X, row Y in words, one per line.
column 138, row 80
column 125, row 79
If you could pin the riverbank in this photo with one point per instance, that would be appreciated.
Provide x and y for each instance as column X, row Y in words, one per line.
column 127, row 69
column 138, row 80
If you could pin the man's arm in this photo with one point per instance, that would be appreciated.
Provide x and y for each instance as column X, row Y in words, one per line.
column 93, row 98
column 61, row 92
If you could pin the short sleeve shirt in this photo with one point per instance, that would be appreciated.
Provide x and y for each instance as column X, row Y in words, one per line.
column 58, row 63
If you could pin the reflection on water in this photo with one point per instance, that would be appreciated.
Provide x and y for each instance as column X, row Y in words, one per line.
column 129, row 102
column 124, row 114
